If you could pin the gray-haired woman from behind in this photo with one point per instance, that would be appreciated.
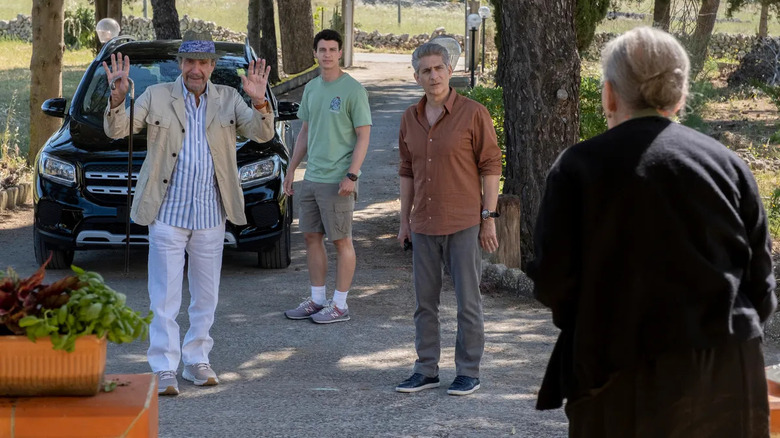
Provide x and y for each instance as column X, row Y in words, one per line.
column 653, row 253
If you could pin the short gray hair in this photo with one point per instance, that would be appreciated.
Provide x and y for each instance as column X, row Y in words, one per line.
column 429, row 49
column 647, row 68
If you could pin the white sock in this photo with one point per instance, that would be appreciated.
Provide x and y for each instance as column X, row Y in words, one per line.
column 340, row 299
column 318, row 295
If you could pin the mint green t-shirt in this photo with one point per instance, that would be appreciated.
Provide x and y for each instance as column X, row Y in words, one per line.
column 333, row 110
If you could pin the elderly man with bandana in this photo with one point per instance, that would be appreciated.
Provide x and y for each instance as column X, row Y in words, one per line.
column 188, row 186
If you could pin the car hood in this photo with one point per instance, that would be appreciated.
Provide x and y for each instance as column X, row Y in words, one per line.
column 75, row 139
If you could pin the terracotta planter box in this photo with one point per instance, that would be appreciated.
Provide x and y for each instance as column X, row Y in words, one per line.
column 37, row 369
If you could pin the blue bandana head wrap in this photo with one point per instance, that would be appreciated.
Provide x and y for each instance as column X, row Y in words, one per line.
column 197, row 45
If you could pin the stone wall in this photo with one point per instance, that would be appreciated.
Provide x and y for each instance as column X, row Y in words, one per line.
column 18, row 29
column 368, row 40
column 142, row 29
column 721, row 45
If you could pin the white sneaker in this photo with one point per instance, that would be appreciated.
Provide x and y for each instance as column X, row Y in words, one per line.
column 200, row 374
column 167, row 383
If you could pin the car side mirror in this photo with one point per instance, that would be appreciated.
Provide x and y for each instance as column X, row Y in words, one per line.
column 54, row 107
column 288, row 110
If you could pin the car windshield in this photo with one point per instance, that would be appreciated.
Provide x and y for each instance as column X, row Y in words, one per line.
column 146, row 72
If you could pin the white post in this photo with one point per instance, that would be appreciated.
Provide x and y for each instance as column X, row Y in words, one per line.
column 348, row 11
column 466, row 44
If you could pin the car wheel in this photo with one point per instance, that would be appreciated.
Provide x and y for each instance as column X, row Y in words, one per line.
column 277, row 257
column 60, row 259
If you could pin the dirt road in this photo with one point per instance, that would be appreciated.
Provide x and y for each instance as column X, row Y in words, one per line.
column 294, row 378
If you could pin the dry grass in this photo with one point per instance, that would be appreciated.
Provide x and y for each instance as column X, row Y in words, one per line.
column 233, row 15
column 15, row 83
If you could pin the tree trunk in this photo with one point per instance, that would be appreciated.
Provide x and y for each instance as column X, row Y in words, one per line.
column 705, row 22
column 662, row 14
column 297, row 32
column 508, row 231
column 165, row 20
column 261, row 31
column 762, row 22
column 107, row 9
column 48, row 47
column 541, row 104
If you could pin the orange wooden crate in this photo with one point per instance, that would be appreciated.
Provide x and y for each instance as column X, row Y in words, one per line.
column 128, row 411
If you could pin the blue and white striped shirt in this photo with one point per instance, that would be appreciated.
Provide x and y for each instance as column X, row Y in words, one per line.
column 192, row 200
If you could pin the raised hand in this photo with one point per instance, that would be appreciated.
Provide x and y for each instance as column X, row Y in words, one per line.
column 119, row 71
column 255, row 81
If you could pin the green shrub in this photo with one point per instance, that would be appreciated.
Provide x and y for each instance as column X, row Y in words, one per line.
column 592, row 120
column 13, row 166
column 493, row 100
column 699, row 94
column 772, row 206
column 79, row 27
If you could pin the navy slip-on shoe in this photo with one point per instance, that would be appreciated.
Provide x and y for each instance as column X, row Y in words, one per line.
column 463, row 385
column 417, row 382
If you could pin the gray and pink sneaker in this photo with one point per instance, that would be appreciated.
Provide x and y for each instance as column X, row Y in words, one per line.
column 304, row 310
column 330, row 314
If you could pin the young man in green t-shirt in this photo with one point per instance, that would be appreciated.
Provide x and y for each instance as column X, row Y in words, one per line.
column 336, row 128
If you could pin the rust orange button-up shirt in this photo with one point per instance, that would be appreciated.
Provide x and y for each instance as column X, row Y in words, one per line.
column 446, row 162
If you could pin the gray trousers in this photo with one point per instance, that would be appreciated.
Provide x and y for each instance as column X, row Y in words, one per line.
column 462, row 255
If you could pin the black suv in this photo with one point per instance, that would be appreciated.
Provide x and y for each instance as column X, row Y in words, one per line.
column 80, row 191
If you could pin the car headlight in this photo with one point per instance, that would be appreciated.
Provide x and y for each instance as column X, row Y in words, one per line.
column 56, row 170
column 259, row 172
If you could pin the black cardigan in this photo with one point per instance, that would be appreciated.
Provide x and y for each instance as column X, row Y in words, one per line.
column 651, row 238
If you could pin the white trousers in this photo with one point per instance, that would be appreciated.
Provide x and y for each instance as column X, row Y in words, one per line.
column 167, row 245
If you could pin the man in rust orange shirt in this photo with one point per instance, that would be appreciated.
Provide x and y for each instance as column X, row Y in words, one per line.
column 450, row 169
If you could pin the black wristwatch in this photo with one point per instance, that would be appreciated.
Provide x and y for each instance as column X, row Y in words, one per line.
column 352, row 176
column 488, row 214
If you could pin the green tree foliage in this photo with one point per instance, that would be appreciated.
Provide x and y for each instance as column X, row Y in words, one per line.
column 588, row 14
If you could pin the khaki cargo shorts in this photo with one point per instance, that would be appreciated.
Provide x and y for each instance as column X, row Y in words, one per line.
column 322, row 210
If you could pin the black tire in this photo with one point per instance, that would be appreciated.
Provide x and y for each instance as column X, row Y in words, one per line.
column 277, row 257
column 60, row 259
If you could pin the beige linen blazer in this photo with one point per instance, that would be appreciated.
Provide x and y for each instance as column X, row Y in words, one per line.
column 161, row 110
